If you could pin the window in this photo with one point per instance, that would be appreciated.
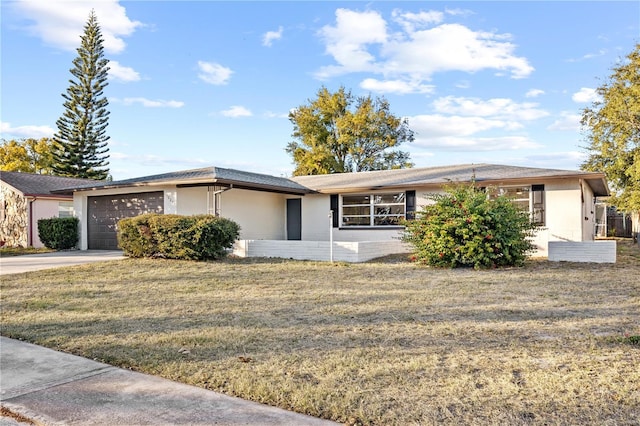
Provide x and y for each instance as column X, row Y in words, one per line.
column 65, row 209
column 373, row 209
column 528, row 198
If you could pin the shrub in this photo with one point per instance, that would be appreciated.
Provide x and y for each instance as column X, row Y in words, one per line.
column 58, row 233
column 199, row 237
column 466, row 226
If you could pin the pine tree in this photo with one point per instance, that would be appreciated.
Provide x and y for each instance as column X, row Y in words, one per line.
column 81, row 142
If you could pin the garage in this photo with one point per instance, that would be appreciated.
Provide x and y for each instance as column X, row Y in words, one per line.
column 105, row 211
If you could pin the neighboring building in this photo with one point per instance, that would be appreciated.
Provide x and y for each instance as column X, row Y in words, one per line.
column 359, row 213
column 25, row 198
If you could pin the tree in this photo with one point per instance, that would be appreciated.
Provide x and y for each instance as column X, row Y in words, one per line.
column 332, row 137
column 613, row 132
column 27, row 155
column 465, row 227
column 81, row 142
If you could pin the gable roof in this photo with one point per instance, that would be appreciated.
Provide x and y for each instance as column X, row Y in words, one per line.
column 32, row 184
column 207, row 176
column 489, row 174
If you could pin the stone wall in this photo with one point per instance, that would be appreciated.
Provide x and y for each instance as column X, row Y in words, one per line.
column 14, row 218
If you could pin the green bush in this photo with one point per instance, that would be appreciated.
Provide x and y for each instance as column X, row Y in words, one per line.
column 58, row 233
column 200, row 237
column 466, row 226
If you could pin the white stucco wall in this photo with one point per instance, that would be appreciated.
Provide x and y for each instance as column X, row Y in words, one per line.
column 191, row 201
column 42, row 209
column 261, row 215
column 589, row 214
column 315, row 217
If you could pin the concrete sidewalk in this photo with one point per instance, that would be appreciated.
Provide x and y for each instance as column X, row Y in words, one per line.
column 55, row 388
column 57, row 259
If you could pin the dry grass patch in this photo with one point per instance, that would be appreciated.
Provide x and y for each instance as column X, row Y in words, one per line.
column 377, row 343
column 20, row 251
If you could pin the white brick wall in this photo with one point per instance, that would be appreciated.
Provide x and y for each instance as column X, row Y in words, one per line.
column 319, row 250
column 582, row 251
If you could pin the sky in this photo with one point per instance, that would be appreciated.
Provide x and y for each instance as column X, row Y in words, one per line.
column 211, row 83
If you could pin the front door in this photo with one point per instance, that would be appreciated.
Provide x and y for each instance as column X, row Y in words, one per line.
column 294, row 219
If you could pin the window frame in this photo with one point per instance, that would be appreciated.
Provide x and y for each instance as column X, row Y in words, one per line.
column 375, row 201
column 65, row 209
column 535, row 198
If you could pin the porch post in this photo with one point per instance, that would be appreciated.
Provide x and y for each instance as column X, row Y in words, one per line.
column 331, row 235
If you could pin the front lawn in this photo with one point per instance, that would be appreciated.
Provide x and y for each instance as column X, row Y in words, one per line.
column 21, row 251
column 385, row 343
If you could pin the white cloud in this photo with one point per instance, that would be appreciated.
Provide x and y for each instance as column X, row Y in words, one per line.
column 60, row 23
column 569, row 160
column 395, row 86
column 502, row 108
column 147, row 103
column 409, row 20
column 121, row 73
column 271, row 114
column 237, row 111
column 270, row 36
column 566, row 121
column 347, row 41
column 441, row 126
column 471, row 124
column 213, row 73
column 477, row 144
column 534, row 93
column 362, row 42
column 585, row 95
column 599, row 53
column 452, row 47
column 9, row 132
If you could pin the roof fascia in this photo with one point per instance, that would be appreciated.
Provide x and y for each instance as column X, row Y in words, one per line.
column 591, row 177
column 232, row 184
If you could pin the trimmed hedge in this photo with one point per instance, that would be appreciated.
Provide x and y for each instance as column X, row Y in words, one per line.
column 199, row 237
column 58, row 233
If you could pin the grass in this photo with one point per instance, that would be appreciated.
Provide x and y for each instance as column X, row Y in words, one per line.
column 20, row 251
column 380, row 343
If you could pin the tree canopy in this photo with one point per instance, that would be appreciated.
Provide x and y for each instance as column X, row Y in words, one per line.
column 338, row 133
column 27, row 155
column 613, row 131
column 81, row 140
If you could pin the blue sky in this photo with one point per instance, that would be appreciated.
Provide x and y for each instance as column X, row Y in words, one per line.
column 202, row 83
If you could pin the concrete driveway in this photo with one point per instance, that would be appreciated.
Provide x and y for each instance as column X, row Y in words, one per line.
column 36, row 262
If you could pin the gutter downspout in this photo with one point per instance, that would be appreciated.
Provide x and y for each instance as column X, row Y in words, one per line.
column 215, row 195
column 30, row 228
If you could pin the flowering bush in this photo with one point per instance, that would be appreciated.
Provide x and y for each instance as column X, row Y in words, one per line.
column 465, row 226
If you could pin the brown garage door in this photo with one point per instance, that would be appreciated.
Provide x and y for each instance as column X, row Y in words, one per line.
column 105, row 211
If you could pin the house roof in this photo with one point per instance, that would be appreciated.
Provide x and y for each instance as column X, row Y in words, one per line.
column 32, row 184
column 207, row 176
column 489, row 174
